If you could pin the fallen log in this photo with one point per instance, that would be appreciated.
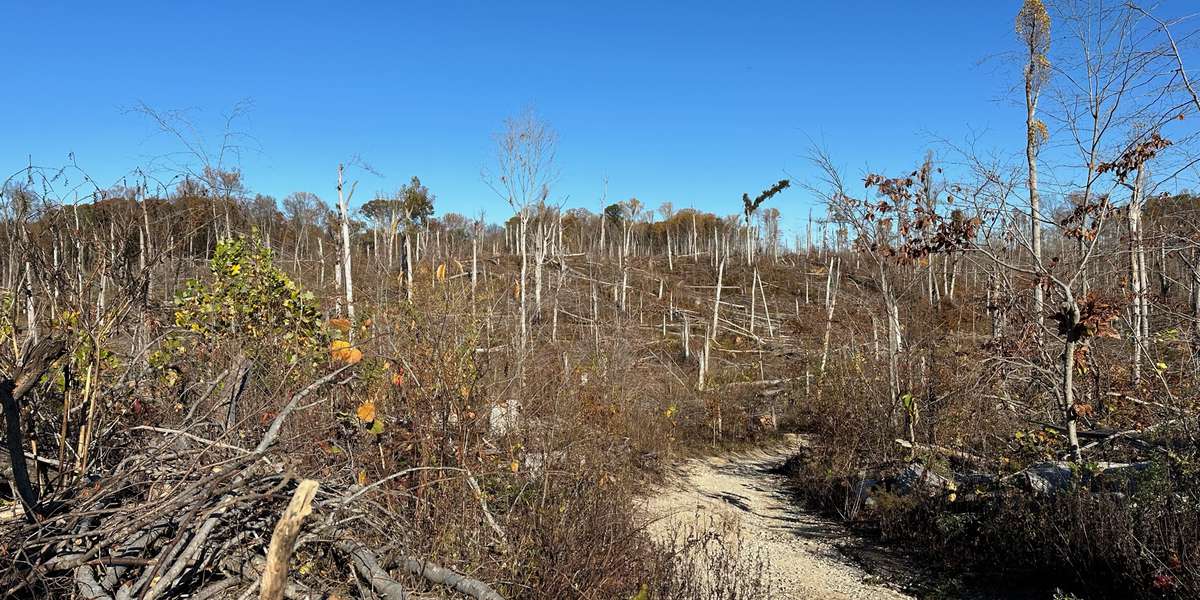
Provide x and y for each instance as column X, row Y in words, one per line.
column 959, row 455
column 367, row 565
column 455, row 581
column 761, row 382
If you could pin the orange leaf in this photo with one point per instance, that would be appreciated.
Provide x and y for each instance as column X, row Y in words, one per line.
column 342, row 351
column 366, row 411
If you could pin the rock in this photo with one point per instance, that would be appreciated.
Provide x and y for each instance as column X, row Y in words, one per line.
column 1047, row 478
column 505, row 418
column 912, row 478
column 535, row 462
column 916, row 477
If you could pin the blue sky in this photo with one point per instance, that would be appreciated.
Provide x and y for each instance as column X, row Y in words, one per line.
column 692, row 103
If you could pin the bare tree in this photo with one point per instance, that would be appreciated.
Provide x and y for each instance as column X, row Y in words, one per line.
column 522, row 175
column 1033, row 31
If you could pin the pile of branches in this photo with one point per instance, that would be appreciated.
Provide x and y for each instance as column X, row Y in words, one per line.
column 181, row 515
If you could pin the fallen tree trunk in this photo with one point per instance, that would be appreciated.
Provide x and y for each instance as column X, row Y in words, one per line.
column 367, row 565
column 455, row 581
column 959, row 455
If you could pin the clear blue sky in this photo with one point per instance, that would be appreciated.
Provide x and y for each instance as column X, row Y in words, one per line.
column 692, row 103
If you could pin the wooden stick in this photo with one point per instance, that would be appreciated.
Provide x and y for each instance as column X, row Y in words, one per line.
column 279, row 554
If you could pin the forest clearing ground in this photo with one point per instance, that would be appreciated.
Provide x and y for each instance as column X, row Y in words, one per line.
column 740, row 501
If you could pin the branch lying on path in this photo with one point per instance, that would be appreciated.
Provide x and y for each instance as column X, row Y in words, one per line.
column 88, row 587
column 367, row 565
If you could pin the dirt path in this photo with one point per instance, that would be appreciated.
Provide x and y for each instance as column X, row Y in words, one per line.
column 739, row 500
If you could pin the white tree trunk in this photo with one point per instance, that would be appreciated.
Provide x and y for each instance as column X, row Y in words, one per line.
column 347, row 278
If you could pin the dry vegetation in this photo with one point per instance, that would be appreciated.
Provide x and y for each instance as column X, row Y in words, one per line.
column 484, row 422
column 998, row 371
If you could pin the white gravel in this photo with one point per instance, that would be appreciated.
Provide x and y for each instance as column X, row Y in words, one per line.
column 736, row 498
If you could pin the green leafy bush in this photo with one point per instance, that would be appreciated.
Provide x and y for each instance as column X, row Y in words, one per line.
column 250, row 304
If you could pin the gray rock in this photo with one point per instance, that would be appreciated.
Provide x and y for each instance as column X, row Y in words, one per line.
column 1047, row 478
column 505, row 418
column 913, row 478
column 917, row 478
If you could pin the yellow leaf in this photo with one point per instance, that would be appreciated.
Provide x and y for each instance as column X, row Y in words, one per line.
column 441, row 272
column 342, row 325
column 362, row 477
column 514, row 466
column 366, row 411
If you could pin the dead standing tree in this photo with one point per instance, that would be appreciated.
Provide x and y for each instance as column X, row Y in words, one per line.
column 522, row 175
column 345, row 239
column 1111, row 84
column 899, row 232
column 1033, row 31
column 344, row 230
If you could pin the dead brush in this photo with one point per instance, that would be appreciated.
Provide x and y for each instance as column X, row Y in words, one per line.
column 699, row 561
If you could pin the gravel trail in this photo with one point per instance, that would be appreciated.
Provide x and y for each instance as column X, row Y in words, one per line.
column 738, row 499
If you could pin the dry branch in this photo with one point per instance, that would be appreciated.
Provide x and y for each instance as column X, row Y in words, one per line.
column 33, row 364
column 274, row 577
column 959, row 455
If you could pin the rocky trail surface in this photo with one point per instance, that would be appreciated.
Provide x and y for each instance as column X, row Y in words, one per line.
column 740, row 501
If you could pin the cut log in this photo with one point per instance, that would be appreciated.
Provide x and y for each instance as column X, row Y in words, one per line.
column 279, row 554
